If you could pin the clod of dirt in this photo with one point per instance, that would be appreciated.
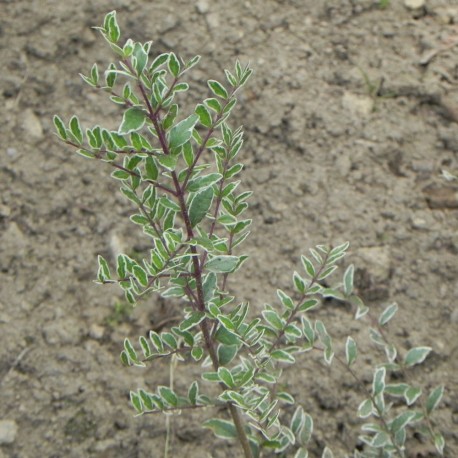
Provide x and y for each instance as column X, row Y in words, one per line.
column 8, row 431
column 441, row 196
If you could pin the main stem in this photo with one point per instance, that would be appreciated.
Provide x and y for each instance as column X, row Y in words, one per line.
column 235, row 414
column 204, row 325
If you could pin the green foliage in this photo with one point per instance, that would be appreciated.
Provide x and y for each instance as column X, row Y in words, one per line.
column 180, row 176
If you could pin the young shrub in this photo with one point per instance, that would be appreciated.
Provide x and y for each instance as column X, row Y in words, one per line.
column 181, row 174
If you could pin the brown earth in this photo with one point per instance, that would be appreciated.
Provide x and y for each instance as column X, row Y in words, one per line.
column 350, row 118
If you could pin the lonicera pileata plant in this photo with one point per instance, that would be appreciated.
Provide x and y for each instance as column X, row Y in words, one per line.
column 181, row 174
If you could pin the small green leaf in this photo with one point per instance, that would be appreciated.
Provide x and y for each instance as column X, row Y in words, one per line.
column 402, row 420
column 200, row 183
column 139, row 58
column 272, row 317
column 218, row 89
column 156, row 341
column 136, row 402
column 200, row 205
column 139, row 219
column 140, row 275
column 170, row 117
column 222, row 264
column 326, row 272
column 76, row 129
column 192, row 320
column 133, row 119
column 121, row 266
column 124, row 358
column 197, row 353
column 193, row 392
column 396, row 389
column 416, row 355
column 169, row 162
column 60, row 127
column 412, row 394
column 308, row 305
column 387, row 314
column 146, row 399
column 130, row 350
column 168, row 395
column 286, row 397
column 298, row 420
column 307, row 430
column 174, row 64
column 145, row 346
column 169, row 339
column 308, row 330
column 299, row 283
column 95, row 74
column 434, row 399
column 227, row 109
column 232, row 171
column 325, row 340
column 246, row 75
column 230, row 78
column 120, row 175
column 439, row 442
column 104, row 270
column 210, row 377
column 204, row 115
column 365, row 409
column 308, row 266
column 350, row 351
column 158, row 61
column 170, row 204
column 283, row 356
column 221, row 428
column 213, row 104
column 151, row 169
column 348, row 280
column 226, row 377
column 292, row 332
column 285, row 299
column 226, row 337
column 226, row 353
column 192, row 62
column 182, row 132
column 378, row 383
column 110, row 76
column 181, row 87
column 112, row 27
column 301, row 453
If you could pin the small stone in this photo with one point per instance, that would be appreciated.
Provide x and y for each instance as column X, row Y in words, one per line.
column 213, row 20
column 202, row 6
column 14, row 244
column 117, row 245
column 8, row 431
column 11, row 152
column 414, row 4
column 359, row 105
column 343, row 165
column 377, row 261
column 4, row 211
column 96, row 331
column 419, row 223
column 454, row 316
column 31, row 124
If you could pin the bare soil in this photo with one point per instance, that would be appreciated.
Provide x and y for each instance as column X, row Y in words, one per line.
column 350, row 118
